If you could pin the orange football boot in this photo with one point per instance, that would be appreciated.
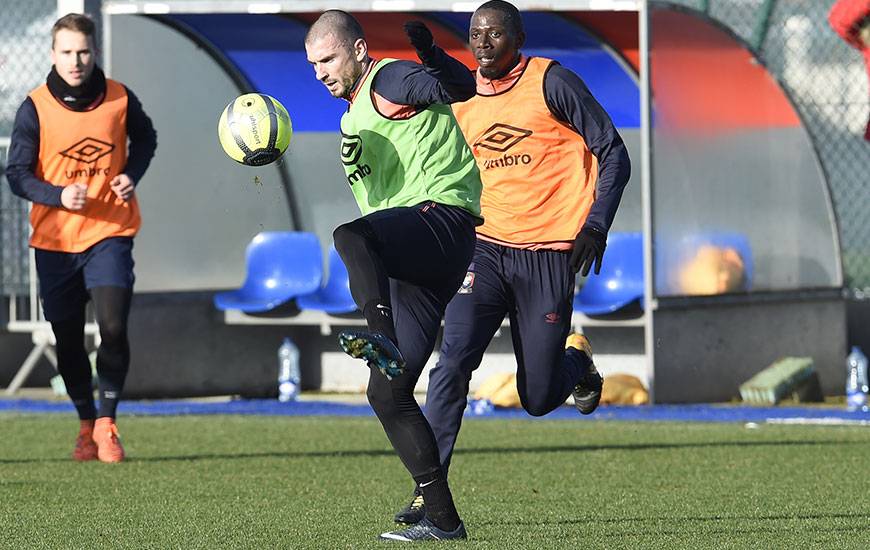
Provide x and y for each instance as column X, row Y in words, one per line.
column 109, row 447
column 85, row 449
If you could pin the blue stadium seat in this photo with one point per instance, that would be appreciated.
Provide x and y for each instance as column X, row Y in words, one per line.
column 620, row 281
column 334, row 296
column 281, row 265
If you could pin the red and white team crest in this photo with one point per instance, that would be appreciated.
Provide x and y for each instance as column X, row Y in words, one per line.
column 467, row 283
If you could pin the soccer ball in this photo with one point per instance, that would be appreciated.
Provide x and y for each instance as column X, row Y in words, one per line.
column 254, row 129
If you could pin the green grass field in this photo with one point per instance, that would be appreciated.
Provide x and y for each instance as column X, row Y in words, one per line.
column 317, row 482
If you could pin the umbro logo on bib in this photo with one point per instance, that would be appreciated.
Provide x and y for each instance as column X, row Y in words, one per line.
column 501, row 137
column 351, row 151
column 88, row 150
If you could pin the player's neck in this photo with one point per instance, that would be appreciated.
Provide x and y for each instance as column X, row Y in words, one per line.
column 366, row 67
column 83, row 97
column 508, row 69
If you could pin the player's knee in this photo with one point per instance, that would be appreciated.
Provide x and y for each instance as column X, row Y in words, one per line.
column 340, row 237
column 448, row 382
column 113, row 332
column 348, row 236
column 453, row 366
column 536, row 407
column 381, row 400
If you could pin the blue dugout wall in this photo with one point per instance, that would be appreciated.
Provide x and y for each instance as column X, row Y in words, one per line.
column 201, row 209
column 269, row 51
column 306, row 189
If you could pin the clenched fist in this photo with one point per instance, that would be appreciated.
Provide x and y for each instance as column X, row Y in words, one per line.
column 419, row 35
column 123, row 186
column 74, row 196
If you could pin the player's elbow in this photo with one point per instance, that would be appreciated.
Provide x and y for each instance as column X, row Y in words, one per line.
column 625, row 162
column 15, row 176
column 618, row 162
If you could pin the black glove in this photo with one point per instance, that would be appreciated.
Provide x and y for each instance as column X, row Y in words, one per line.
column 420, row 36
column 588, row 248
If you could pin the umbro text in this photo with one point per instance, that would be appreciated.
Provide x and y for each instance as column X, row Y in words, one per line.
column 507, row 160
column 86, row 172
column 362, row 170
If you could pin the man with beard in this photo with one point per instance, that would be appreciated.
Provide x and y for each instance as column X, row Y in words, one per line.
column 418, row 188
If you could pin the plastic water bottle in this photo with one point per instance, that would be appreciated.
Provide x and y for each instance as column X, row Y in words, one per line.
column 288, row 371
column 478, row 407
column 856, row 380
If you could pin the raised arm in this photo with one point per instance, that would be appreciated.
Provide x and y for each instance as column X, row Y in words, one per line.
column 439, row 79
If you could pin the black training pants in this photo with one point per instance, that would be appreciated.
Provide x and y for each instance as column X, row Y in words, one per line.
column 421, row 253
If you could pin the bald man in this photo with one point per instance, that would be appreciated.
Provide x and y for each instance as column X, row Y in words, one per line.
column 418, row 187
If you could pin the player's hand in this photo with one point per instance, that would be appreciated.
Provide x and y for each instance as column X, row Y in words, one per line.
column 74, row 196
column 419, row 35
column 589, row 248
column 123, row 186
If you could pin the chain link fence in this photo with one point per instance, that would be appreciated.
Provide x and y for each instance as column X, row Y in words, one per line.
column 25, row 43
column 14, row 231
column 827, row 80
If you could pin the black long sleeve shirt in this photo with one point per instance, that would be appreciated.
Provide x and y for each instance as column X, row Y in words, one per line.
column 440, row 79
column 571, row 101
column 402, row 88
column 24, row 151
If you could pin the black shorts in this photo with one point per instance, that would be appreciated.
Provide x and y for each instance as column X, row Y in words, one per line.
column 66, row 277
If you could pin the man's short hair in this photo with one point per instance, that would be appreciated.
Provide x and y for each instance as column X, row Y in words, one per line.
column 75, row 22
column 338, row 23
column 510, row 13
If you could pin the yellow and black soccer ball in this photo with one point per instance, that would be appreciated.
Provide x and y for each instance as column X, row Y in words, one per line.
column 255, row 129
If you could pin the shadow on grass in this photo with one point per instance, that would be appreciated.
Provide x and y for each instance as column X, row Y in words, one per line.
column 681, row 526
column 731, row 532
column 472, row 451
column 665, row 519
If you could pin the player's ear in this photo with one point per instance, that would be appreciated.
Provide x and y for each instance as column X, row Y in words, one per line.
column 521, row 39
column 360, row 50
